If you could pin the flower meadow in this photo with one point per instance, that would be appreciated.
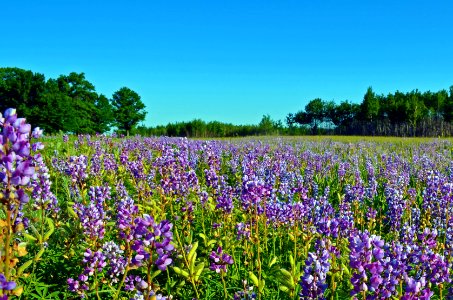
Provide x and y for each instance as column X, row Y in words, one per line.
column 102, row 217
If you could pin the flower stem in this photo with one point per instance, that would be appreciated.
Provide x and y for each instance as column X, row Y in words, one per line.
column 7, row 243
column 224, row 285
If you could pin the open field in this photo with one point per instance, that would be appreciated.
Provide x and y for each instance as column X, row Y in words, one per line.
column 274, row 218
column 342, row 139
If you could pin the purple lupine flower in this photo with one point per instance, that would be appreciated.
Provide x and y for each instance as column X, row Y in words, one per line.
column 225, row 200
column 212, row 180
column 204, row 196
column 253, row 196
column 37, row 133
column 243, row 231
column 76, row 168
column 317, row 265
column 116, row 261
column 94, row 262
column 93, row 216
column 110, row 163
column 96, row 161
column 369, row 261
column 149, row 237
column 76, row 287
column 17, row 171
column 127, row 212
column 449, row 238
column 6, row 285
column 432, row 267
column 415, row 289
column 42, row 194
column 246, row 294
column 220, row 260
column 135, row 282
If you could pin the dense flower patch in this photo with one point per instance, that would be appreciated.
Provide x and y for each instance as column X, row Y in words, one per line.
column 161, row 218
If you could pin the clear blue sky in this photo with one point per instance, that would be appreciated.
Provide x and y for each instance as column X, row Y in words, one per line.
column 234, row 60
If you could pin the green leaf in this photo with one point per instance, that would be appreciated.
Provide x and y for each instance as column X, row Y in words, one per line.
column 198, row 270
column 192, row 252
column 286, row 276
column 177, row 270
column 40, row 253
column 29, row 237
column 51, row 229
column 273, row 261
column 291, row 261
column 283, row 288
column 261, row 285
column 72, row 212
column 192, row 263
column 254, row 278
column 23, row 267
column 37, row 234
column 183, row 273
column 22, row 249
column 345, row 269
column 156, row 273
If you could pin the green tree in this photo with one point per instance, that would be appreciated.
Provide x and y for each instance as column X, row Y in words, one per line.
column 316, row 109
column 54, row 112
column 81, row 98
column 314, row 114
column 344, row 113
column 370, row 106
column 415, row 108
column 103, row 116
column 128, row 109
column 448, row 107
column 266, row 125
column 21, row 89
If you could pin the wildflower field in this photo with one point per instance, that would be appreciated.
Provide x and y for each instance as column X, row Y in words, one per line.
column 101, row 217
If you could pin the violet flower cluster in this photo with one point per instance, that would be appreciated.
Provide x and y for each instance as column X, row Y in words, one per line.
column 17, row 166
column 106, row 263
column 149, row 238
column 314, row 280
column 43, row 197
column 368, row 262
column 220, row 261
column 254, row 195
column 93, row 215
column 5, row 287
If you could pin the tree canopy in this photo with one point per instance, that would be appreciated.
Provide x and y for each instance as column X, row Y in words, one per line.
column 68, row 103
column 71, row 104
column 128, row 109
column 402, row 114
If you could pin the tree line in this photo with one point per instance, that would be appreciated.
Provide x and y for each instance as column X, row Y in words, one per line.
column 201, row 129
column 68, row 103
column 71, row 104
column 398, row 114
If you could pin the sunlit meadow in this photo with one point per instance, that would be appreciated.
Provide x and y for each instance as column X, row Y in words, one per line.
column 105, row 217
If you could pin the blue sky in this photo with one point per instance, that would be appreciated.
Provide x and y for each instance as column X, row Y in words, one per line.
column 234, row 61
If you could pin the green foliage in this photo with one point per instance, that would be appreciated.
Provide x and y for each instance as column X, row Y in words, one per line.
column 201, row 129
column 81, row 97
column 20, row 89
column 400, row 114
column 128, row 109
column 68, row 104
column 370, row 106
column 271, row 262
